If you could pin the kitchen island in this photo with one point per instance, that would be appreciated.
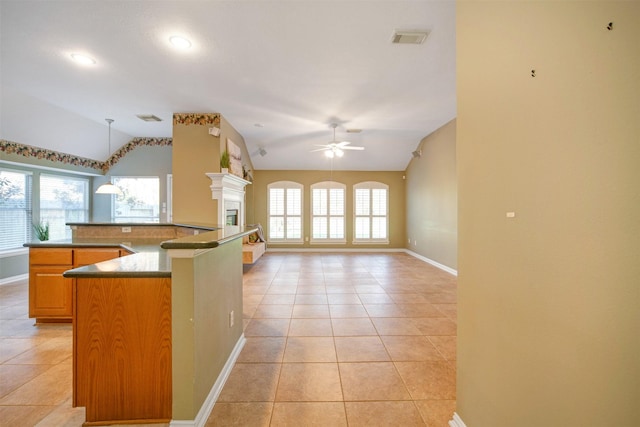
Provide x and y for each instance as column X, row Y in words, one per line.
column 155, row 332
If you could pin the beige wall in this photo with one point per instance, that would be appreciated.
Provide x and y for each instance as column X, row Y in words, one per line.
column 196, row 153
column 205, row 289
column 549, row 300
column 394, row 180
column 432, row 198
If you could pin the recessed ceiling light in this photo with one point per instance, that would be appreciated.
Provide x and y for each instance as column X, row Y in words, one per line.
column 180, row 42
column 83, row 59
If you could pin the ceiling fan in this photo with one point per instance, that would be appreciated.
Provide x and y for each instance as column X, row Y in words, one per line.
column 335, row 148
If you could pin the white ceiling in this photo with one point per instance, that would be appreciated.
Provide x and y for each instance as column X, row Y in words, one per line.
column 292, row 66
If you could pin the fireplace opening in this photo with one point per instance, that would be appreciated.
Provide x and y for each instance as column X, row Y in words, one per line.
column 232, row 217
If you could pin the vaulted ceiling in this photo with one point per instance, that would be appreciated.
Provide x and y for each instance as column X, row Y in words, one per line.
column 280, row 71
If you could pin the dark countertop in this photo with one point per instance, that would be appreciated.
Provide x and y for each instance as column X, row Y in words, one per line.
column 150, row 257
column 207, row 227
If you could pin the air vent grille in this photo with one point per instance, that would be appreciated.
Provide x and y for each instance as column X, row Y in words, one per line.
column 409, row 37
column 149, row 118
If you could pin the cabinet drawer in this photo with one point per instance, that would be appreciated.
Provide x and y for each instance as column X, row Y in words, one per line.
column 50, row 294
column 94, row 255
column 51, row 256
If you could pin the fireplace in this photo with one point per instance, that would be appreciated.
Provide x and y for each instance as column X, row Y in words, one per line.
column 228, row 190
column 232, row 217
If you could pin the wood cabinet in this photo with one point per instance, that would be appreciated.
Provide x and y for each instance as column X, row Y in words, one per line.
column 122, row 357
column 50, row 293
column 88, row 256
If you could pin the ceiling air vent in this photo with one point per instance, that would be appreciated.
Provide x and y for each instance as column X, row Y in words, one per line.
column 409, row 37
column 149, row 118
column 354, row 130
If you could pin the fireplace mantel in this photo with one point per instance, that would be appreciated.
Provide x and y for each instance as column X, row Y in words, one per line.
column 228, row 190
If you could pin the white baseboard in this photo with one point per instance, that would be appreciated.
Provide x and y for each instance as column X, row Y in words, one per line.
column 456, row 421
column 13, row 279
column 271, row 249
column 210, row 401
column 420, row 257
column 434, row 263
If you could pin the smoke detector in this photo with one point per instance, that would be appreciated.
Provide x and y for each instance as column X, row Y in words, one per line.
column 409, row 37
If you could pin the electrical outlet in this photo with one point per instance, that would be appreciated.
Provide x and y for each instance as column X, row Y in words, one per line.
column 415, row 243
column 409, row 240
column 126, row 229
column 231, row 319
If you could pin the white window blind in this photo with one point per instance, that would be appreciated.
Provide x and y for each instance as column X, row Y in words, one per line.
column 15, row 209
column 371, row 212
column 328, row 209
column 62, row 200
column 285, row 211
column 139, row 201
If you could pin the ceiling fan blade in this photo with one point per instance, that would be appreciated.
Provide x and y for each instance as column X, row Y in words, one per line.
column 319, row 149
column 352, row 148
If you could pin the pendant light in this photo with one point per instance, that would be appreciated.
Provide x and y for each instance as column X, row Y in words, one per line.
column 108, row 188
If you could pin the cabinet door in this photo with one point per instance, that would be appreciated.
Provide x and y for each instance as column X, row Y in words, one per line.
column 50, row 294
column 87, row 256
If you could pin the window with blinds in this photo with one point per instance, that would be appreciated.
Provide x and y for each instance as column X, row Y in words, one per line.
column 328, row 212
column 63, row 199
column 15, row 209
column 285, row 212
column 371, row 206
column 139, row 201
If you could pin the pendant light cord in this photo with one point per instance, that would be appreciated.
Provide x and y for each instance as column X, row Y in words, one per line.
column 109, row 153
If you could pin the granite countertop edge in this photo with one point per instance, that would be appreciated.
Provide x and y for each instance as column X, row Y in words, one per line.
column 146, row 253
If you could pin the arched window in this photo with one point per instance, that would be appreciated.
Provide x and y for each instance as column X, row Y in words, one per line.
column 371, row 212
column 285, row 212
column 327, row 212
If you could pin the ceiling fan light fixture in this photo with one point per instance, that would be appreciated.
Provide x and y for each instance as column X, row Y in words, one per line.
column 336, row 148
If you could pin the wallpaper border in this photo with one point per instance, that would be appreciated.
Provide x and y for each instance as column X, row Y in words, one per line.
column 27, row 151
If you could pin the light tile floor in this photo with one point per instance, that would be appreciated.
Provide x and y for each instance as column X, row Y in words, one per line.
column 344, row 340
column 332, row 340
column 35, row 366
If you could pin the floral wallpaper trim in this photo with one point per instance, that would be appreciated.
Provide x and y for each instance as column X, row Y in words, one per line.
column 56, row 156
column 196, row 119
column 44, row 154
column 132, row 145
